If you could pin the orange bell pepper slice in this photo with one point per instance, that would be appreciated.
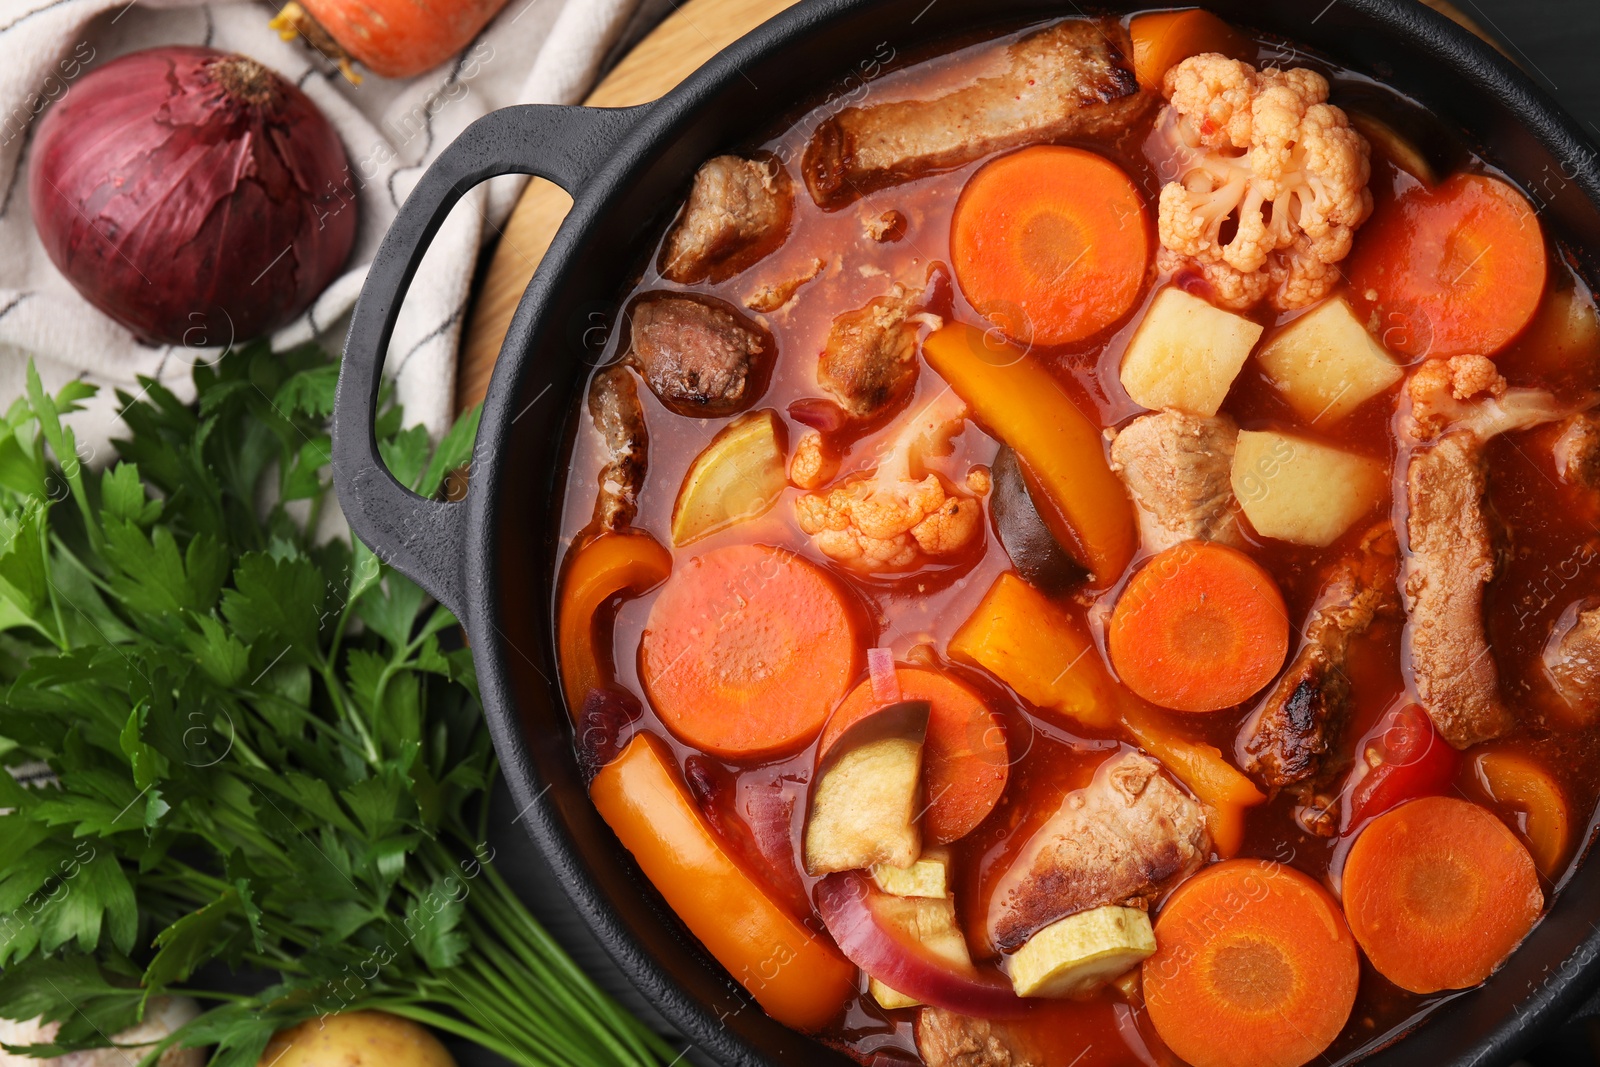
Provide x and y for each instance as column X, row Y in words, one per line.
column 1520, row 786
column 800, row 979
column 610, row 565
column 1164, row 39
column 1019, row 401
column 1199, row 766
column 1026, row 640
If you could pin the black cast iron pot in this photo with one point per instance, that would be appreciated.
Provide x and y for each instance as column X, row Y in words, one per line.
column 491, row 558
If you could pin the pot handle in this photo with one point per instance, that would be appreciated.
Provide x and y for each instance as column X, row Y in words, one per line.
column 420, row 537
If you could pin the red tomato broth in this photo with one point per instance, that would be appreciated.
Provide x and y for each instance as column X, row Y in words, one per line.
column 1050, row 755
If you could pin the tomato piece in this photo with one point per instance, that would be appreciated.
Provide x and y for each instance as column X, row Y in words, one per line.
column 1401, row 758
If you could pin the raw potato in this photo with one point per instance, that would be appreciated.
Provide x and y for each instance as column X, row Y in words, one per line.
column 737, row 477
column 928, row 877
column 356, row 1039
column 1082, row 952
column 931, row 922
column 1326, row 363
column 866, row 800
column 1186, row 354
column 1299, row 490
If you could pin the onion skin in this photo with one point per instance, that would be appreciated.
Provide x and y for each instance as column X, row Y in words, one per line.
column 194, row 196
column 844, row 901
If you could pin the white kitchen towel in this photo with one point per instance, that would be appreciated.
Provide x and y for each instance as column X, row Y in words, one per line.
column 535, row 51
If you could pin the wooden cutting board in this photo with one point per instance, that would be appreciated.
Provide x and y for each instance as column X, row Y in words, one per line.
column 685, row 40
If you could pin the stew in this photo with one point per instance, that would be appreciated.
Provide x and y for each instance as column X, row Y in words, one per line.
column 1091, row 536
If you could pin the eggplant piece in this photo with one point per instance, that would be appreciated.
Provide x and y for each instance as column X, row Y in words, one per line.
column 866, row 798
column 1033, row 549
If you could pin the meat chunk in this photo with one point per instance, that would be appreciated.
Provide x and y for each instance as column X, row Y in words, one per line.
column 1572, row 657
column 1178, row 469
column 1457, row 405
column 701, row 356
column 1287, row 738
column 946, row 1039
column 1073, row 79
column 1119, row 840
column 1451, row 559
column 1577, row 451
column 614, row 407
column 869, row 361
column 738, row 211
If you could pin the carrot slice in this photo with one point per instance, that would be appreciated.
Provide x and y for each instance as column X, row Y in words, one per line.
column 1454, row 269
column 1254, row 967
column 1438, row 892
column 1528, row 795
column 1199, row 628
column 611, row 565
column 1164, row 39
column 747, row 649
column 1051, row 244
column 964, row 759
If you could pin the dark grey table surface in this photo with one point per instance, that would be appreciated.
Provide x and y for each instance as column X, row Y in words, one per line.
column 1558, row 43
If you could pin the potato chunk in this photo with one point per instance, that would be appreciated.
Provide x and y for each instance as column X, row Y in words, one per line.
column 1082, row 952
column 738, row 476
column 1296, row 489
column 1186, row 354
column 1326, row 364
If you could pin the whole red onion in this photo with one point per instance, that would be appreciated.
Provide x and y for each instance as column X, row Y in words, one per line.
column 194, row 196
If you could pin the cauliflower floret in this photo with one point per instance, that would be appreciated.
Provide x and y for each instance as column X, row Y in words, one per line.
column 1265, row 156
column 813, row 462
column 1469, row 393
column 885, row 520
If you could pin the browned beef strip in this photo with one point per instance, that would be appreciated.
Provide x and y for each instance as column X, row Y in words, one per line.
column 1288, row 737
column 1178, row 469
column 738, row 211
column 1572, row 658
column 1074, row 79
column 869, row 361
column 1450, row 560
column 1119, row 840
column 614, row 406
column 946, row 1039
column 701, row 356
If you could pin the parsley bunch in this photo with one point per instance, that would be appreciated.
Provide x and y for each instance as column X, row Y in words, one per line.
column 254, row 749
